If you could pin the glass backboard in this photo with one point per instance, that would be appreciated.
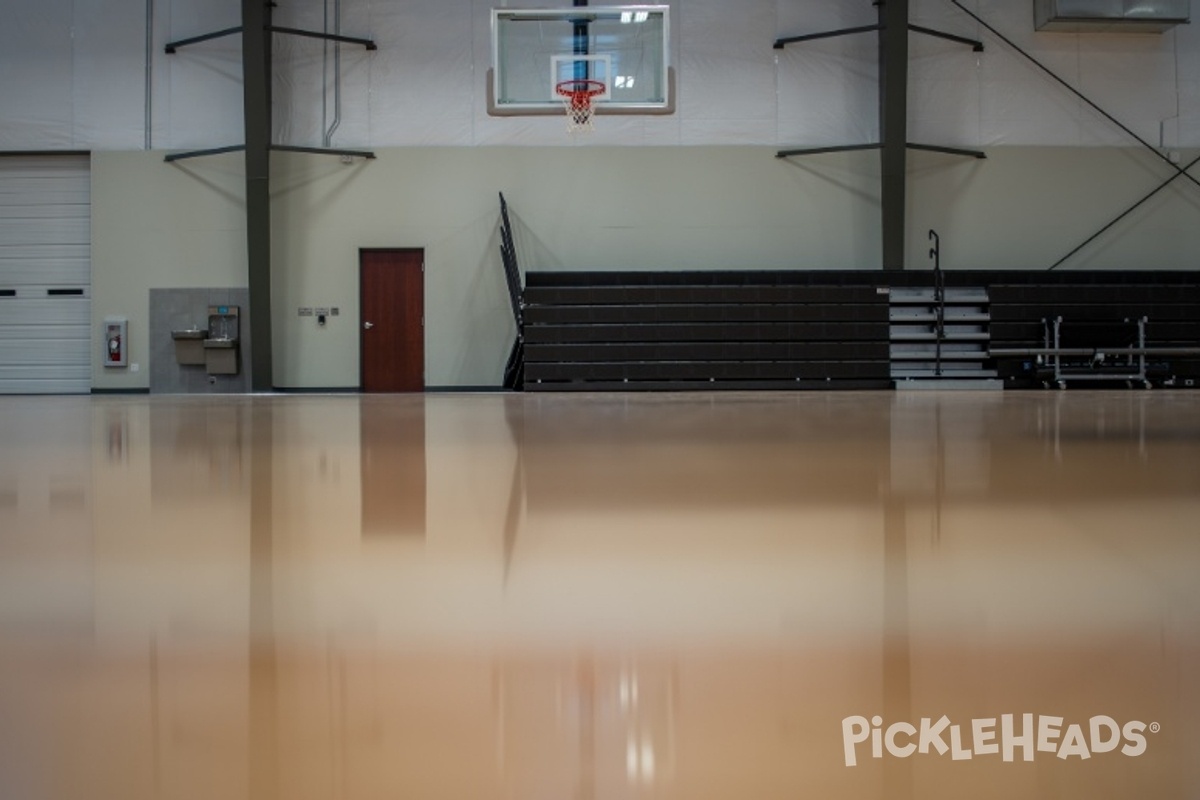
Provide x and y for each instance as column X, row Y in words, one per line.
column 623, row 47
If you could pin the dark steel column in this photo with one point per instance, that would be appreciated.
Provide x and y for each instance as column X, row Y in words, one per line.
column 264, row 672
column 893, row 126
column 256, row 77
column 263, row 691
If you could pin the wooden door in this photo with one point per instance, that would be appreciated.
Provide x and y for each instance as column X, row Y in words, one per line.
column 392, row 338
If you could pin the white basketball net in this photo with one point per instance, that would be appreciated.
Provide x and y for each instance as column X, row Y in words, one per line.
column 577, row 100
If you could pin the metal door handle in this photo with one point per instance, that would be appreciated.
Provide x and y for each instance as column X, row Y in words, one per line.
column 368, row 325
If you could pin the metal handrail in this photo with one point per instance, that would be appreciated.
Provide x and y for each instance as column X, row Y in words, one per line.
column 939, row 298
column 508, row 255
column 514, row 369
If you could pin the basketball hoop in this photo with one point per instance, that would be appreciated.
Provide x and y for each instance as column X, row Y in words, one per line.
column 577, row 95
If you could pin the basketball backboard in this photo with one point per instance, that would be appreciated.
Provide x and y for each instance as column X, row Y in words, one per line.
column 624, row 47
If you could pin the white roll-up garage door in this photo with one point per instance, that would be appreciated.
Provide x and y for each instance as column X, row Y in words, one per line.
column 45, row 274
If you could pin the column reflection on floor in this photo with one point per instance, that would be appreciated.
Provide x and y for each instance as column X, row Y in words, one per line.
column 844, row 595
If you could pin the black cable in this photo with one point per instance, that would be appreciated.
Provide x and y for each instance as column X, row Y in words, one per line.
column 1128, row 211
column 1075, row 92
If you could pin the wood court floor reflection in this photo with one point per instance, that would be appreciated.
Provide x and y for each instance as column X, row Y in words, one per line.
column 693, row 596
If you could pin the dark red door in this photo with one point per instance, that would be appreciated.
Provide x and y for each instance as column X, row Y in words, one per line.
column 392, row 294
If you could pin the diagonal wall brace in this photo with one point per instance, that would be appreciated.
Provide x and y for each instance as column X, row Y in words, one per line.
column 1162, row 157
column 1178, row 172
column 1126, row 213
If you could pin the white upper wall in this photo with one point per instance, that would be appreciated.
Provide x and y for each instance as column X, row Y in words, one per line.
column 74, row 76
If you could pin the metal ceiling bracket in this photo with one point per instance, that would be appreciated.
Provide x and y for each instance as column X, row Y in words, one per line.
column 330, row 37
column 212, row 151
column 812, row 151
column 781, row 43
column 976, row 45
column 171, row 47
column 327, row 151
column 953, row 151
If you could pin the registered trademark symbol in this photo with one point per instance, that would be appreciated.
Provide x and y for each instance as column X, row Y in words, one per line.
column 1155, row 727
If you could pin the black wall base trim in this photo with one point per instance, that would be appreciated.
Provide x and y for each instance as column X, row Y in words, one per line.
column 466, row 390
column 317, row 389
column 358, row 390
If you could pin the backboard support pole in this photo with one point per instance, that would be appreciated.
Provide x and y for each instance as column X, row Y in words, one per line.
column 580, row 44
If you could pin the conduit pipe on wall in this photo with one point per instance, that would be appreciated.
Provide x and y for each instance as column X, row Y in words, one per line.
column 149, row 141
column 330, row 129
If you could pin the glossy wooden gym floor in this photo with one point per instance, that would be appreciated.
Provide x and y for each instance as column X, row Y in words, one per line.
column 601, row 596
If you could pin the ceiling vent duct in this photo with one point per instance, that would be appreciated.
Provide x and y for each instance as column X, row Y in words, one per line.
column 1110, row 16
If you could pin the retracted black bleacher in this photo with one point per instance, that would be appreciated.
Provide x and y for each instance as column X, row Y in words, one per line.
column 631, row 331
column 1100, row 317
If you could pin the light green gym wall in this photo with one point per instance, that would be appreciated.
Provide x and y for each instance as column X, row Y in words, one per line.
column 1028, row 207
column 160, row 226
column 572, row 208
column 157, row 225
